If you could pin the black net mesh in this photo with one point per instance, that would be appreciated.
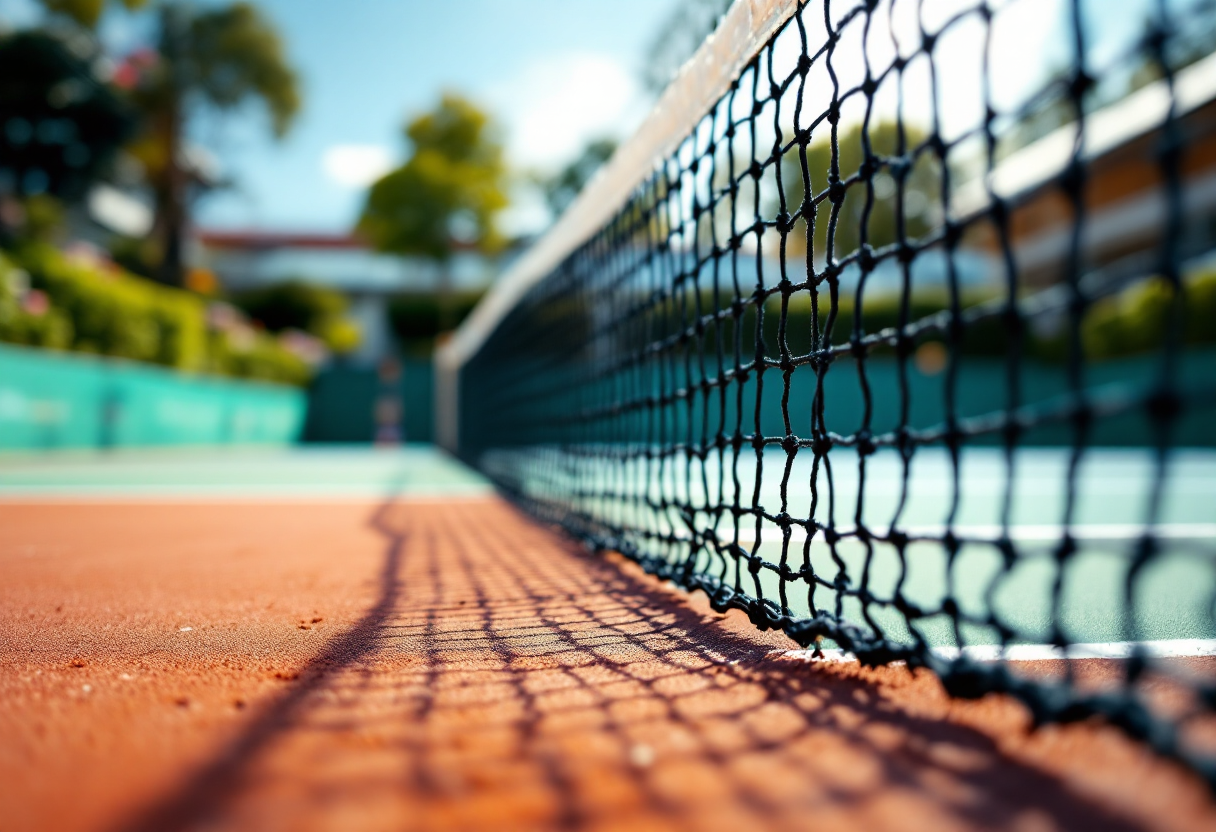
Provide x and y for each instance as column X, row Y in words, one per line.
column 907, row 350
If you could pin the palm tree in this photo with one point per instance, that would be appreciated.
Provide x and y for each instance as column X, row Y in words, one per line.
column 218, row 59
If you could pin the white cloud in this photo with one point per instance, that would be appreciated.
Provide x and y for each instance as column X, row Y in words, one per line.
column 556, row 104
column 356, row 165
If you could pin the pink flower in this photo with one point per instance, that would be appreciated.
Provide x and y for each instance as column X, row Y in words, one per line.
column 35, row 303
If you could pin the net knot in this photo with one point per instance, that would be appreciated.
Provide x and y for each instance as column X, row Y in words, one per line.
column 865, row 443
column 785, row 222
column 1072, row 178
column 1079, row 84
column 1164, row 406
column 865, row 259
column 836, row 191
column 1011, row 432
column 804, row 64
column 998, row 211
column 910, row 611
column 821, row 443
column 789, row 443
column 1067, row 547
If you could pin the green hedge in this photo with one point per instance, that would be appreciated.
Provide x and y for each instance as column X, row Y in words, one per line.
column 1131, row 322
column 107, row 311
column 418, row 317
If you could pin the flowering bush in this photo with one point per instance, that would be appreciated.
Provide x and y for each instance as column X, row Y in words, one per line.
column 76, row 300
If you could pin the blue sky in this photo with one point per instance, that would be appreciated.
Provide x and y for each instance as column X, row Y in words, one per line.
column 554, row 72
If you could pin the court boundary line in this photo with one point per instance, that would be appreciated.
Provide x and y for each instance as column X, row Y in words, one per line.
column 1175, row 648
column 214, row 498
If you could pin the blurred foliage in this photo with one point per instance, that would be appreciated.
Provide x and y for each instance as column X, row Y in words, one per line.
column 417, row 317
column 219, row 58
column 23, row 322
column 135, row 255
column 1137, row 319
column 86, row 13
column 307, row 307
column 854, row 146
column 561, row 188
column 35, row 219
column 226, row 57
column 447, row 193
column 60, row 124
column 51, row 299
column 1131, row 322
column 679, row 36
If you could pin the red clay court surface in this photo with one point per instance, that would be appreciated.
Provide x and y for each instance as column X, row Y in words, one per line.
column 451, row 665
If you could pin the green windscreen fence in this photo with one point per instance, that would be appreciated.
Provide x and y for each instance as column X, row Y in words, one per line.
column 55, row 400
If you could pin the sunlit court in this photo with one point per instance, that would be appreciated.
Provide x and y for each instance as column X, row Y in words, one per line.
column 688, row 414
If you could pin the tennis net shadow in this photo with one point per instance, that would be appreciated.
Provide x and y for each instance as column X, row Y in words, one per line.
column 505, row 678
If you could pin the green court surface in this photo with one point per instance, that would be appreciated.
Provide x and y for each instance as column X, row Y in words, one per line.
column 353, row 472
column 1174, row 597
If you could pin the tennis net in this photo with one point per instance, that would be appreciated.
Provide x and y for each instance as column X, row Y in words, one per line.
column 893, row 327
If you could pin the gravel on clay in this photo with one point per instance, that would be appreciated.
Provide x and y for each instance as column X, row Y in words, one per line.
column 452, row 665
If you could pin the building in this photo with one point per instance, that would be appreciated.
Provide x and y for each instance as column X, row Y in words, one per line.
column 249, row 259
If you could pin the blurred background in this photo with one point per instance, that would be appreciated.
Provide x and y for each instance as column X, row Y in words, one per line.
column 250, row 222
column 253, row 222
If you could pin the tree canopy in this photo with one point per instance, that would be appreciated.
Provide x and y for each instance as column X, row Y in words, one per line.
column 920, row 189
column 86, row 13
column 218, row 58
column 561, row 188
column 447, row 193
column 62, row 123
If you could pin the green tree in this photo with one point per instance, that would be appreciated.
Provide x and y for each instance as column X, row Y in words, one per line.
column 60, row 123
column 308, row 307
column 921, row 188
column 446, row 195
column 86, row 13
column 678, row 38
column 213, row 58
column 561, row 188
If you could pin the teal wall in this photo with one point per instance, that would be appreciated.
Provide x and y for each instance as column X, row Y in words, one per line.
column 342, row 400
column 67, row 400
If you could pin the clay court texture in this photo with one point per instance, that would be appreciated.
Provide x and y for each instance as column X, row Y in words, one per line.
column 368, row 641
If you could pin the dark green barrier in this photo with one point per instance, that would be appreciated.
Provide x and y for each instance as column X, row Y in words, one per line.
column 342, row 403
column 60, row 400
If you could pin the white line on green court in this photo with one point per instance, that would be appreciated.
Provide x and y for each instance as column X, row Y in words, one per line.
column 1175, row 648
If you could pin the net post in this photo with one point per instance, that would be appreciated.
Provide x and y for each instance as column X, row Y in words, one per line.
column 447, row 402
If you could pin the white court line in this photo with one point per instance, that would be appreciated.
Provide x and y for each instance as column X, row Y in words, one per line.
column 1176, row 648
column 226, row 496
column 1097, row 532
